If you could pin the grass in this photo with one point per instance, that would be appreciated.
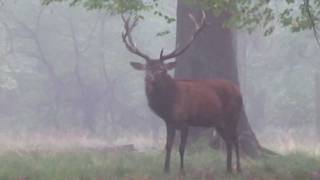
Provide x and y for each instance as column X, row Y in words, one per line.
column 78, row 157
column 205, row 164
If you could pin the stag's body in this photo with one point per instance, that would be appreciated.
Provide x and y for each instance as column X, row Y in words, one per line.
column 202, row 103
column 184, row 103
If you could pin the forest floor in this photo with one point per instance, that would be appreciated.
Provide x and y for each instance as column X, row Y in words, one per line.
column 89, row 161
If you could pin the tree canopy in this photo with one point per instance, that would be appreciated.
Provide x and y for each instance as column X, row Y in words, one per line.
column 296, row 15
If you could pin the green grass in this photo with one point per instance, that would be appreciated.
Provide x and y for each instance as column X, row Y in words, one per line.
column 204, row 164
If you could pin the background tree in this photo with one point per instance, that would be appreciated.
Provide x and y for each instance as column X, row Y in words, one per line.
column 58, row 77
column 215, row 55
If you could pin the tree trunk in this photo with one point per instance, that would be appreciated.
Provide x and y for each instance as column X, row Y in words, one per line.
column 317, row 104
column 212, row 55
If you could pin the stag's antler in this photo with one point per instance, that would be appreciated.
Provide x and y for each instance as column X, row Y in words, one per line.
column 127, row 38
column 178, row 51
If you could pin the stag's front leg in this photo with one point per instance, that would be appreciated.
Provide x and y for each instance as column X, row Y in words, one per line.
column 228, row 142
column 229, row 156
column 170, row 138
column 236, row 146
column 184, row 136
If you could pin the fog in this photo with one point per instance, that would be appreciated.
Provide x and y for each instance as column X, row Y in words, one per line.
column 65, row 80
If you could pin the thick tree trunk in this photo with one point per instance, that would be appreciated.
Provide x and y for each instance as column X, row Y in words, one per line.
column 211, row 56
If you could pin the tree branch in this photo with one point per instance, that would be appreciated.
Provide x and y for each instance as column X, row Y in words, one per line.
column 312, row 21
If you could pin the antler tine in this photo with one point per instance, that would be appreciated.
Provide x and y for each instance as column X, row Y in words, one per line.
column 127, row 38
column 198, row 29
column 203, row 20
column 161, row 53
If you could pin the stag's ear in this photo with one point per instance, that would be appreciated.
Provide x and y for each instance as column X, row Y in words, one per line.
column 137, row 66
column 171, row 65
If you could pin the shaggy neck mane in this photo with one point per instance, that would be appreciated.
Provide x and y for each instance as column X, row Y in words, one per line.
column 161, row 95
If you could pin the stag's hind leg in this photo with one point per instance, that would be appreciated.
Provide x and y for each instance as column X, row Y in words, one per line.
column 235, row 142
column 227, row 138
column 184, row 136
column 235, row 138
column 170, row 139
column 236, row 146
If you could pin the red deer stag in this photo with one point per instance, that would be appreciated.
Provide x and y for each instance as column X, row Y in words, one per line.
column 184, row 103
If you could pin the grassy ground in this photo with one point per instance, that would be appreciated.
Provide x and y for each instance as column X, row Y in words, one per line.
column 77, row 157
column 204, row 164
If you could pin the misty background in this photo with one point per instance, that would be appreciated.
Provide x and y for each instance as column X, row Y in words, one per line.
column 64, row 72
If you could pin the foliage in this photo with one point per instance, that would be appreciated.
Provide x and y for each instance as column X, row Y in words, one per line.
column 297, row 15
column 113, row 5
column 119, row 6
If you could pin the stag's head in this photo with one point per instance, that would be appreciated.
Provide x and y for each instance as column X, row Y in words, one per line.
column 157, row 67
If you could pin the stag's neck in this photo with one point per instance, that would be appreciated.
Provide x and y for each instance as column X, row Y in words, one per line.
column 161, row 95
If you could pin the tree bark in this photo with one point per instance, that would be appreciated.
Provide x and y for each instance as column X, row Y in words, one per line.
column 211, row 56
